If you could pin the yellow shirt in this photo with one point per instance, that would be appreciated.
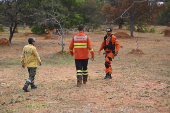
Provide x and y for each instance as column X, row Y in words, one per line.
column 30, row 55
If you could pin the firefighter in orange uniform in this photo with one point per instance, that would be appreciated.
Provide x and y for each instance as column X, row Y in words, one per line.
column 82, row 45
column 111, row 46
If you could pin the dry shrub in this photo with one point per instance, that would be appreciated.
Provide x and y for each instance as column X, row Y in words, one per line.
column 122, row 35
column 4, row 41
column 136, row 51
column 169, row 24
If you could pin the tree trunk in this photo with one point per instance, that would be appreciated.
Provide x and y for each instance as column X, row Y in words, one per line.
column 131, row 27
column 120, row 23
column 62, row 43
column 12, row 32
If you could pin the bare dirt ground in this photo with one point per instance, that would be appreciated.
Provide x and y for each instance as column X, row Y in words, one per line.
column 140, row 84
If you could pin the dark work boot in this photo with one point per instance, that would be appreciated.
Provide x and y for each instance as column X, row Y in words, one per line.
column 85, row 79
column 25, row 88
column 79, row 80
column 33, row 87
column 110, row 77
column 107, row 76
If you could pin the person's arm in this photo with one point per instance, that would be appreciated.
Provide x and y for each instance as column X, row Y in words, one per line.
column 22, row 59
column 35, row 53
column 90, row 48
column 117, row 46
column 71, row 46
column 101, row 47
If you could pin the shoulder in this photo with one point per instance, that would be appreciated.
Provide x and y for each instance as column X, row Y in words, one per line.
column 86, row 35
column 26, row 46
column 114, row 37
column 33, row 47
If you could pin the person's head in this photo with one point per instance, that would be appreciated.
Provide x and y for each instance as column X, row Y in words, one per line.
column 109, row 31
column 81, row 28
column 31, row 40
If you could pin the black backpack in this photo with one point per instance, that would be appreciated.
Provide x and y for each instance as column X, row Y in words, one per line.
column 110, row 45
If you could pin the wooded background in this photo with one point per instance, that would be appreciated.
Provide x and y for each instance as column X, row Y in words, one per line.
column 40, row 15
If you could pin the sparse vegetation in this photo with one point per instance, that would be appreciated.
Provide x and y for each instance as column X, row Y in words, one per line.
column 1, row 28
column 140, row 81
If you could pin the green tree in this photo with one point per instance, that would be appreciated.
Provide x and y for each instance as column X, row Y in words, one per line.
column 134, row 11
column 13, row 13
column 165, row 15
column 90, row 11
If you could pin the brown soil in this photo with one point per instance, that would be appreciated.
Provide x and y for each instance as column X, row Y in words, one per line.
column 140, row 83
column 169, row 24
column 136, row 51
column 122, row 35
column 4, row 41
column 167, row 32
column 50, row 35
column 16, row 31
column 26, row 27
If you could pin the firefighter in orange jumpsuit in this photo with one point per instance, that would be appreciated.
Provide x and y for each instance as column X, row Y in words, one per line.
column 82, row 45
column 111, row 46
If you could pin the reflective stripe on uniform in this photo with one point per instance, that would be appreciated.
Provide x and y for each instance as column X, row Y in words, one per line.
column 79, row 71
column 80, row 46
column 85, row 72
column 70, row 50
column 80, row 43
column 91, row 50
column 28, row 80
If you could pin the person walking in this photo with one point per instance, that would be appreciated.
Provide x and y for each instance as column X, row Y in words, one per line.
column 111, row 46
column 81, row 44
column 30, row 56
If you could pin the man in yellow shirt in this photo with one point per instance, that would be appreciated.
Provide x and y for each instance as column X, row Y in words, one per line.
column 30, row 56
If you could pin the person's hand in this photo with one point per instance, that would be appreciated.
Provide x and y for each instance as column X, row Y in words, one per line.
column 99, row 52
column 72, row 54
column 116, row 53
column 92, row 58
column 40, row 63
column 23, row 66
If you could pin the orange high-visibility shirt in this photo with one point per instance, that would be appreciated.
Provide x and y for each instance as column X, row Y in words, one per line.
column 114, row 41
column 82, row 45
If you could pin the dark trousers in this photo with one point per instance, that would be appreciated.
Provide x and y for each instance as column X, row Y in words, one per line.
column 81, row 64
column 81, row 67
column 32, row 73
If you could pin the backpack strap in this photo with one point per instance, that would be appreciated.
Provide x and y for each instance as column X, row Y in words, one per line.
column 106, row 38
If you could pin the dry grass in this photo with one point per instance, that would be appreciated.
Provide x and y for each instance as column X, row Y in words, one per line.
column 140, row 82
